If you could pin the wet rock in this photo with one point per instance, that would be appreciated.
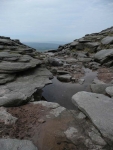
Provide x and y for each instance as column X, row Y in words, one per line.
column 109, row 91
column 99, row 88
column 14, row 144
column 99, row 109
column 64, row 78
column 107, row 40
column 6, row 117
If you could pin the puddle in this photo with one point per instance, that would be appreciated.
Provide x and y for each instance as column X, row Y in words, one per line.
column 62, row 93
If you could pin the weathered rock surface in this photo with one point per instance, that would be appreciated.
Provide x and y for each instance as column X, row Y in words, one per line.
column 20, row 66
column 12, row 67
column 107, row 40
column 14, row 144
column 4, row 78
column 99, row 109
column 109, row 91
column 104, row 56
column 64, row 78
column 50, row 126
column 55, row 61
column 21, row 90
column 99, row 88
column 6, row 117
column 96, row 81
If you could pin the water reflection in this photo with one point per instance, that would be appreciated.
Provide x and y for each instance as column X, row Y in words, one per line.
column 61, row 92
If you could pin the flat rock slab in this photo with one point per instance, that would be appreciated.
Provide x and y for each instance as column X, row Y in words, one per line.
column 21, row 90
column 14, row 144
column 107, row 40
column 99, row 109
column 92, row 44
column 103, row 55
column 64, row 78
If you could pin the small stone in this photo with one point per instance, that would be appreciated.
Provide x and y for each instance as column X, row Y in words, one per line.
column 41, row 120
column 81, row 81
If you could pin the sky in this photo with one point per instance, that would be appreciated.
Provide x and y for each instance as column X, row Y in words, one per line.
column 54, row 20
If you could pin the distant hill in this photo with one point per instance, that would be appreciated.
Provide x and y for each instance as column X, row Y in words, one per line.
column 42, row 46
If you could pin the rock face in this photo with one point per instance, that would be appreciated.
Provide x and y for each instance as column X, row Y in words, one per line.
column 14, row 144
column 99, row 109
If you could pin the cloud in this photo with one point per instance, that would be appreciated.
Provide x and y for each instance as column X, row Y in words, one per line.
column 47, row 20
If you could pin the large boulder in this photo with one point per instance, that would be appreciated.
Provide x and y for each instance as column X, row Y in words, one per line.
column 107, row 40
column 99, row 88
column 14, row 144
column 99, row 109
column 55, row 61
column 104, row 56
column 73, row 44
column 92, row 44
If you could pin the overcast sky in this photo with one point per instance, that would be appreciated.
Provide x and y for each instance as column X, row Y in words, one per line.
column 54, row 20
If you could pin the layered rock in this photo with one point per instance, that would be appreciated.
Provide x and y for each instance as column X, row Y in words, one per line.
column 20, row 65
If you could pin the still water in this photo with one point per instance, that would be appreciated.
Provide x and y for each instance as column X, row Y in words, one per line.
column 62, row 93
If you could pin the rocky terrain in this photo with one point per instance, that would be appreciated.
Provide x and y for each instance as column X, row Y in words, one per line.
column 29, row 121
